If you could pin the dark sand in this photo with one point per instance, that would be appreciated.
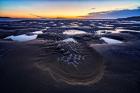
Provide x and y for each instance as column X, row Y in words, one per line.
column 39, row 66
column 31, row 68
column 25, row 68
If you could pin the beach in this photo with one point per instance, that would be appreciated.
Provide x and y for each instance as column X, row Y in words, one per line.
column 76, row 58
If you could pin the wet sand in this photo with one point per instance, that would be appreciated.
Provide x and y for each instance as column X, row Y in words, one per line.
column 24, row 69
column 28, row 67
column 54, row 62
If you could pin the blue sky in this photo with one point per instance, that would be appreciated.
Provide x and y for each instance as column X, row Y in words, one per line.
column 63, row 8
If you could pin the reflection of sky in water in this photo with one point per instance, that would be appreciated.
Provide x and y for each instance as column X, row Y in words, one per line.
column 22, row 38
column 121, row 30
column 74, row 32
column 117, row 30
column 101, row 32
column 136, row 22
column 110, row 41
column 38, row 32
column 129, row 22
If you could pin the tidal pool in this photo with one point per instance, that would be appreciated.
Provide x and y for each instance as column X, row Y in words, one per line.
column 22, row 38
column 74, row 32
column 110, row 40
column 119, row 30
column 38, row 32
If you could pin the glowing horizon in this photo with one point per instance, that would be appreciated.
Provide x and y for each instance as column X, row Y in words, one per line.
column 61, row 8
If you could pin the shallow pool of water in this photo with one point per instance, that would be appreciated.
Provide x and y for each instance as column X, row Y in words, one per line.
column 38, row 32
column 22, row 38
column 110, row 40
column 74, row 32
column 117, row 30
column 121, row 30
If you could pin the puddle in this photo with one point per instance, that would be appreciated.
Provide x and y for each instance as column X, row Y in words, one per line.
column 63, row 26
column 74, row 24
column 129, row 22
column 105, row 27
column 102, row 32
column 37, row 32
column 47, row 27
column 54, row 25
column 117, row 30
column 61, row 23
column 111, row 41
column 121, row 30
column 74, row 32
column 70, row 40
column 135, row 22
column 51, row 22
column 22, row 38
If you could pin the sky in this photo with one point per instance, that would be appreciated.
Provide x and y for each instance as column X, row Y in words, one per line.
column 65, row 8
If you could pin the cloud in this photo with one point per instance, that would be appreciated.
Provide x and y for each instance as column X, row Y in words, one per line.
column 114, row 14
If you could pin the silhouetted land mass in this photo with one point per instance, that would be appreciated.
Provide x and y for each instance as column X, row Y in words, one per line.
column 5, row 17
column 135, row 18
